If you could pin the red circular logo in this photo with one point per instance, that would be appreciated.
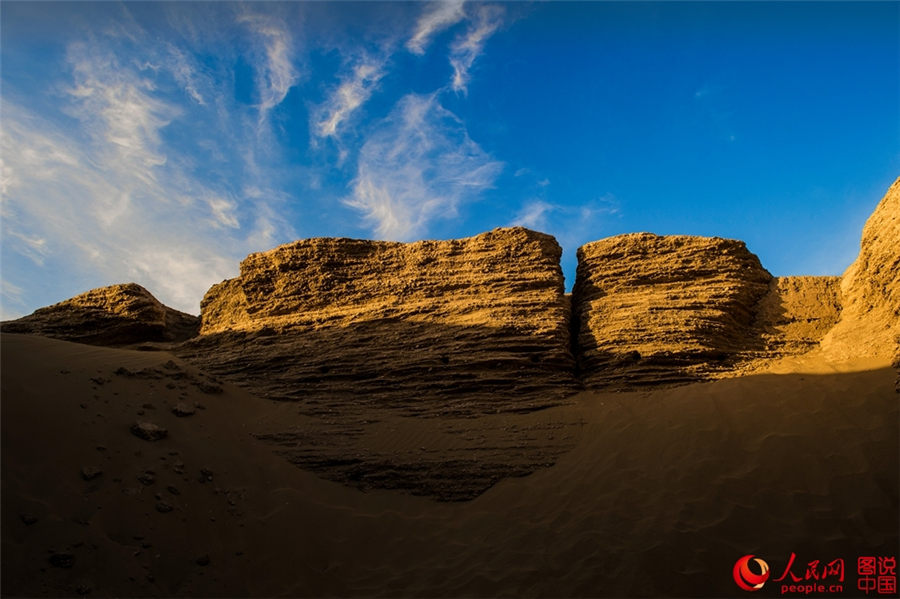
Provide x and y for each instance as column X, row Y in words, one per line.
column 746, row 578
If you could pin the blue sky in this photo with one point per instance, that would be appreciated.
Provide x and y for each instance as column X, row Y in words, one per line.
column 162, row 142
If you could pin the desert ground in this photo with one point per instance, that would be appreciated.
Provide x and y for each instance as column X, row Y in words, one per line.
column 658, row 494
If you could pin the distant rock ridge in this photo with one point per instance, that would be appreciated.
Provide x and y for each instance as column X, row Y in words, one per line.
column 122, row 314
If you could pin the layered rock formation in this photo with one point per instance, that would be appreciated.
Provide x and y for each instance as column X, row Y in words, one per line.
column 464, row 326
column 870, row 321
column 797, row 312
column 358, row 335
column 656, row 310
column 114, row 315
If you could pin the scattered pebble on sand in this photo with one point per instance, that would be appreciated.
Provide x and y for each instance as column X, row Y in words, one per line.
column 183, row 409
column 148, row 431
column 62, row 560
column 90, row 472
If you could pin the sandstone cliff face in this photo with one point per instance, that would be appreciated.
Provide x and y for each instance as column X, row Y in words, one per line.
column 870, row 322
column 114, row 315
column 434, row 327
column 653, row 310
column 797, row 312
column 360, row 334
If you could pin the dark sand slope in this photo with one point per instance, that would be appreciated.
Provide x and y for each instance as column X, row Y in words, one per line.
column 660, row 493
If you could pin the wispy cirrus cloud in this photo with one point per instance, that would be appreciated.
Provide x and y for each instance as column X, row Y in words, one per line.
column 187, row 75
column 10, row 295
column 276, row 74
column 358, row 83
column 438, row 16
column 572, row 224
column 158, row 152
column 534, row 214
column 468, row 47
column 354, row 89
column 418, row 165
column 87, row 211
column 99, row 193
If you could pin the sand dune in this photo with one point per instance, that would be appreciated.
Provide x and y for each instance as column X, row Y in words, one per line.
column 659, row 494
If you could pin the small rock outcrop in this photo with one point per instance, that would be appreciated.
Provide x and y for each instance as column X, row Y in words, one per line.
column 652, row 309
column 115, row 315
column 463, row 326
column 870, row 321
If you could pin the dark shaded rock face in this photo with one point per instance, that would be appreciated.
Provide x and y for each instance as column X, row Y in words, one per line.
column 466, row 326
column 115, row 315
column 651, row 310
column 797, row 313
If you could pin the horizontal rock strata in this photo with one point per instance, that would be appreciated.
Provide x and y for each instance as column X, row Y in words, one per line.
column 796, row 313
column 116, row 315
column 466, row 326
column 360, row 335
column 657, row 310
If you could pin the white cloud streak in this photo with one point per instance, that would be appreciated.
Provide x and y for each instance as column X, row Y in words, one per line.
column 533, row 214
column 572, row 225
column 352, row 92
column 439, row 16
column 92, row 213
column 104, row 198
column 186, row 75
column 12, row 299
column 118, row 108
column 277, row 75
column 418, row 165
column 147, row 168
column 356, row 87
column 468, row 47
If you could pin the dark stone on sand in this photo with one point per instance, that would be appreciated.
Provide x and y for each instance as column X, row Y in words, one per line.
column 62, row 560
column 163, row 508
column 209, row 388
column 148, row 431
column 182, row 410
column 203, row 560
column 28, row 519
column 90, row 472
